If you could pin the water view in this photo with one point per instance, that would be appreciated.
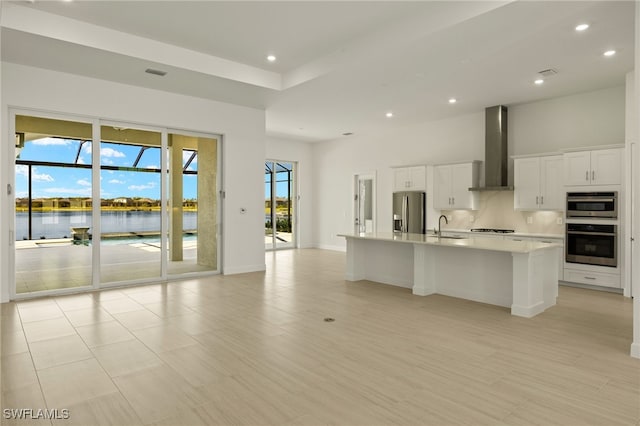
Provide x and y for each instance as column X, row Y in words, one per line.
column 58, row 224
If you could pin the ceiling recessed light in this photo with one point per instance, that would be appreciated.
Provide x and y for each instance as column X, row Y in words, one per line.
column 609, row 53
column 453, row 100
column 389, row 114
column 582, row 27
column 271, row 58
column 539, row 81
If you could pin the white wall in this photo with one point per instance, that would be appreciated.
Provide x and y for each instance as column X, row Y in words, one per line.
column 243, row 150
column 300, row 152
column 586, row 119
column 336, row 162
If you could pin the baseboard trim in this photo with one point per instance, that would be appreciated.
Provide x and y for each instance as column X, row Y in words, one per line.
column 591, row 287
column 244, row 269
column 333, row 248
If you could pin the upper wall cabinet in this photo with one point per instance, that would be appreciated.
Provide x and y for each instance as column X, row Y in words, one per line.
column 599, row 167
column 538, row 183
column 451, row 183
column 410, row 178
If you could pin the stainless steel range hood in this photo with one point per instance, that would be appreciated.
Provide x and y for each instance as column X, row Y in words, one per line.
column 495, row 151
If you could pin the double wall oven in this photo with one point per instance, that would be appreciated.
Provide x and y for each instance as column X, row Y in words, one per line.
column 592, row 228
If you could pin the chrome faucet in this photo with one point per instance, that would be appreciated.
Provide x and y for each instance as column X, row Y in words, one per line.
column 440, row 222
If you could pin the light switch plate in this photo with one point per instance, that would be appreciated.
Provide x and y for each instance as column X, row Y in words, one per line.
column 529, row 220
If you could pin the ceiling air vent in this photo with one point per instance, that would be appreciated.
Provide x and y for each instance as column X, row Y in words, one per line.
column 548, row 72
column 155, row 72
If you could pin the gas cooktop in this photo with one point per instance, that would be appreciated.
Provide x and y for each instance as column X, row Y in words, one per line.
column 495, row 230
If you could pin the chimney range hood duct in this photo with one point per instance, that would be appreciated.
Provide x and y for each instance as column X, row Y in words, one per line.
column 495, row 150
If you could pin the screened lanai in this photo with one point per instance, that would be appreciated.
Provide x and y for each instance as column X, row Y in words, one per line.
column 57, row 225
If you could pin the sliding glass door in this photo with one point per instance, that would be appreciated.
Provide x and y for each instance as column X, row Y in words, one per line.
column 280, row 205
column 53, row 217
column 94, row 205
column 130, row 204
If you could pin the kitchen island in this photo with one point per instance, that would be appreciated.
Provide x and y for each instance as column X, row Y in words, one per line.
column 521, row 275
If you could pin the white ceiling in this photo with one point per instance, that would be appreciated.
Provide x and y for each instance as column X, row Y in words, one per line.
column 341, row 65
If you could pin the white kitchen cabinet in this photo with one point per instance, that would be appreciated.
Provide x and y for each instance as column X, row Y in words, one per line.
column 410, row 178
column 598, row 167
column 592, row 278
column 451, row 183
column 537, row 182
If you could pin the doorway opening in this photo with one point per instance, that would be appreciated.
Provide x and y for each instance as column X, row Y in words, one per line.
column 280, row 205
column 364, row 203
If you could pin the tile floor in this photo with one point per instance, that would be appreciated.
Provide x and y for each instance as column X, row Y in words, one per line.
column 57, row 265
column 254, row 349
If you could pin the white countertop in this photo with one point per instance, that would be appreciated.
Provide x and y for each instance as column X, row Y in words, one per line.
column 509, row 234
column 471, row 243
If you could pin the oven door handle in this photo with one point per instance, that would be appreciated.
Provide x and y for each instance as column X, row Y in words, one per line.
column 587, row 200
column 604, row 234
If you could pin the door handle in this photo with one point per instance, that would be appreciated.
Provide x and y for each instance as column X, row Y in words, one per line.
column 586, row 175
column 537, row 200
column 541, row 199
column 593, row 175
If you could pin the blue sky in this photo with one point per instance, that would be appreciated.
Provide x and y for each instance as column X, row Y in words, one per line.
column 281, row 183
column 75, row 182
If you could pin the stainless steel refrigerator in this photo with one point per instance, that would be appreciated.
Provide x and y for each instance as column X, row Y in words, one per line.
column 409, row 212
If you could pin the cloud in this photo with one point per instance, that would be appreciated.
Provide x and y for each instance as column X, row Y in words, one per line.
column 112, row 153
column 153, row 166
column 186, row 155
column 41, row 177
column 116, row 181
column 51, row 141
column 150, row 185
column 83, row 182
column 22, row 170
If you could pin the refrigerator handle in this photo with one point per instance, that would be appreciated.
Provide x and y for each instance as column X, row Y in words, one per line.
column 423, row 213
column 405, row 213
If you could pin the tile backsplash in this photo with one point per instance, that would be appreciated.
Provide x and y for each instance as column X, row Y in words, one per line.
column 496, row 211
